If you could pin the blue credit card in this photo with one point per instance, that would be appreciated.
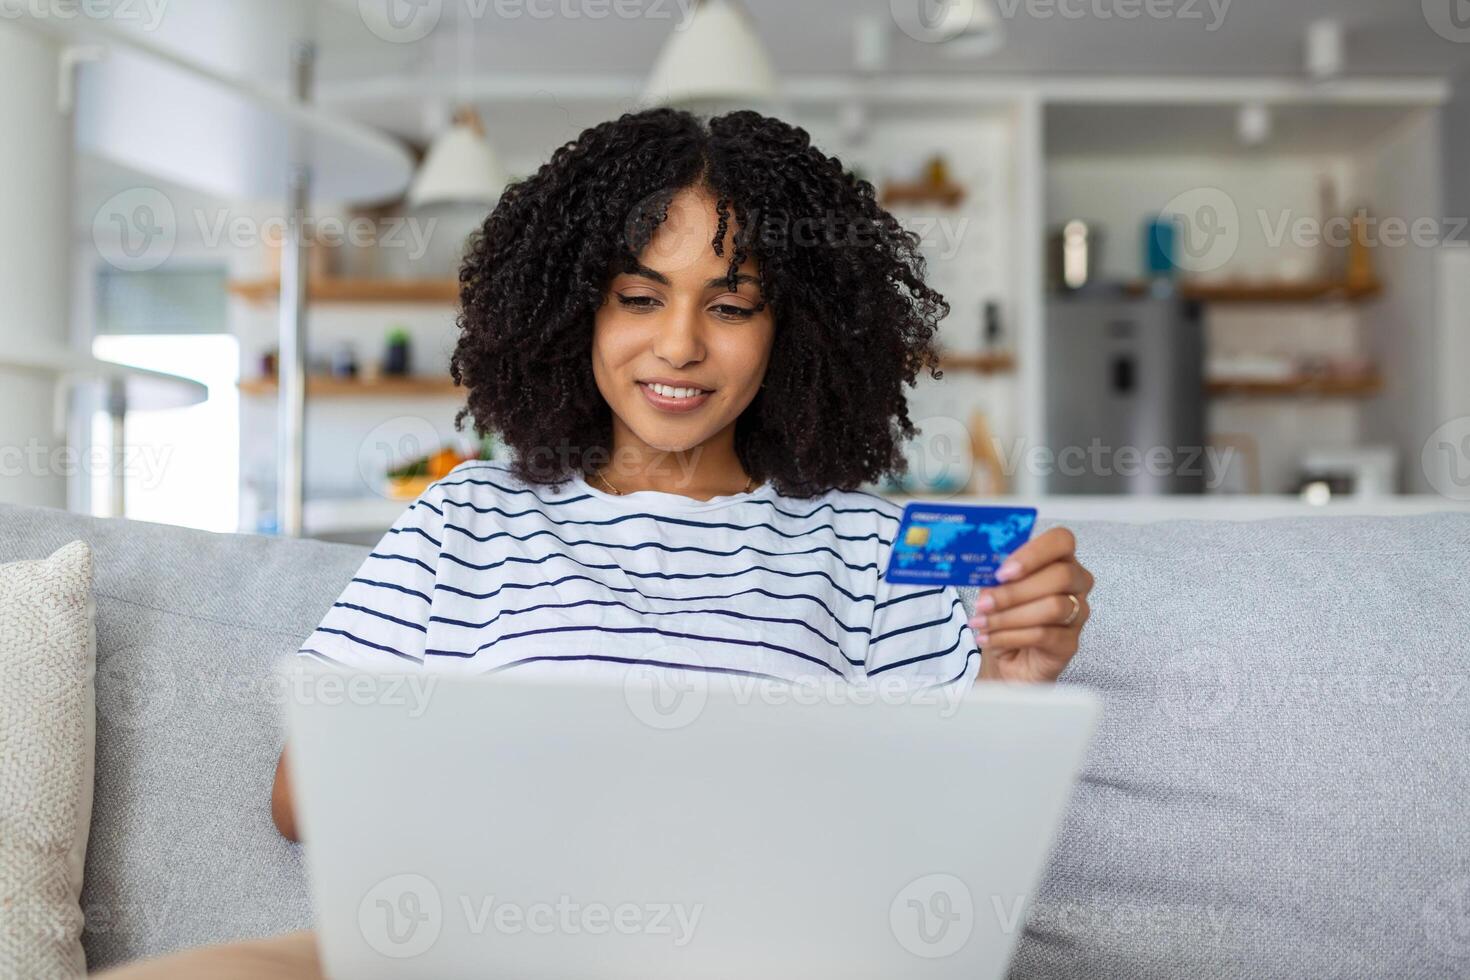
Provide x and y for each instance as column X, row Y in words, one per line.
column 952, row 544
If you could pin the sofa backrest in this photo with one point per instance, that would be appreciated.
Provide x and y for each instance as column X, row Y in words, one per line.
column 1279, row 785
column 189, row 628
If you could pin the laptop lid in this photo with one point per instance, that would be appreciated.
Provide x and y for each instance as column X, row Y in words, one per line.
column 472, row 827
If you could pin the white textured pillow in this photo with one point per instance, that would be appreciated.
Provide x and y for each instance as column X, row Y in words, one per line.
column 48, row 658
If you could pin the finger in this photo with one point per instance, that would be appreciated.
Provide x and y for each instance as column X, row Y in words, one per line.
column 1057, row 640
column 1055, row 579
column 1050, row 610
column 1040, row 551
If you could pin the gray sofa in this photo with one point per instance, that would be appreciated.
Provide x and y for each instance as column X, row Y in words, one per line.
column 1280, row 786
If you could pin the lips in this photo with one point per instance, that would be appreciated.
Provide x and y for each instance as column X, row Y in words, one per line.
column 665, row 403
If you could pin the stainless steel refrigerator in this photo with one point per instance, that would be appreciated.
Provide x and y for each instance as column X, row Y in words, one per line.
column 1125, row 394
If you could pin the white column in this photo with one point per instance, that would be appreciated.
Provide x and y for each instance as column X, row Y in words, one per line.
column 35, row 199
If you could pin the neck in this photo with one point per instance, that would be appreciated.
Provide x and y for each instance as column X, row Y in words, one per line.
column 710, row 469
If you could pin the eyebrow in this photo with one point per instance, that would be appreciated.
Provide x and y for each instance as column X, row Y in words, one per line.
column 656, row 276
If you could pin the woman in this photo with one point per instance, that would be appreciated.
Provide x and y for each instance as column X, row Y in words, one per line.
column 695, row 337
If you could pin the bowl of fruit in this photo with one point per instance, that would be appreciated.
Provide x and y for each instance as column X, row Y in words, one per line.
column 408, row 481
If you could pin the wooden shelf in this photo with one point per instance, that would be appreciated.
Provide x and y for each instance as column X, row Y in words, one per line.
column 319, row 386
column 433, row 291
column 1307, row 386
column 1308, row 291
column 1001, row 363
column 945, row 195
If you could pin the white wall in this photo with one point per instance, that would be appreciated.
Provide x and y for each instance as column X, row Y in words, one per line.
column 35, row 199
column 1455, row 120
column 1401, row 178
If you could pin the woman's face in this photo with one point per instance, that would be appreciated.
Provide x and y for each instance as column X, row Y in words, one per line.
column 676, row 354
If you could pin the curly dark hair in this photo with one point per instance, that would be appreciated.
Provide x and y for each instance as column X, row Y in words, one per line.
column 854, row 319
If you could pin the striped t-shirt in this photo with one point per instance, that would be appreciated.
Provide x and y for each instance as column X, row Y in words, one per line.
column 485, row 573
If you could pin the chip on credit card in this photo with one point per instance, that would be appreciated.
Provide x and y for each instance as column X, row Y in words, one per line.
column 955, row 544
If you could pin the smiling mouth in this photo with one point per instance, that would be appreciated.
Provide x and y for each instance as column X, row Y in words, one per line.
column 674, row 391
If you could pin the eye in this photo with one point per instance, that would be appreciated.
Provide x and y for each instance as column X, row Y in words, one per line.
column 728, row 311
column 637, row 302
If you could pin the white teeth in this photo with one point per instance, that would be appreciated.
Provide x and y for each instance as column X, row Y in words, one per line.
column 669, row 392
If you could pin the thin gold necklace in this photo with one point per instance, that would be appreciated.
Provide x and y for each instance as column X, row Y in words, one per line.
column 749, row 484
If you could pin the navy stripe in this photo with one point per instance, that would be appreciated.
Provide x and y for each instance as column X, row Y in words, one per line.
column 441, row 586
column 413, row 561
column 921, row 658
column 633, row 629
column 414, row 529
column 671, row 576
column 649, row 612
column 634, row 662
column 652, row 544
column 505, row 489
column 660, row 519
column 917, row 626
column 396, row 588
column 369, row 643
column 905, row 597
column 381, row 615
column 963, row 671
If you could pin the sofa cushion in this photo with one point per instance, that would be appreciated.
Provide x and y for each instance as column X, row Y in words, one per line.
column 190, row 627
column 47, row 662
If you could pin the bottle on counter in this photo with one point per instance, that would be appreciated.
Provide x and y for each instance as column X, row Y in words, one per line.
column 990, row 328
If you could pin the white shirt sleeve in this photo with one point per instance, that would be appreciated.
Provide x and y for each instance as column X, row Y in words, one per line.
column 921, row 633
column 380, row 621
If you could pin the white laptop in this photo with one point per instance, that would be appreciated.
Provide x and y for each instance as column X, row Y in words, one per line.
column 480, row 827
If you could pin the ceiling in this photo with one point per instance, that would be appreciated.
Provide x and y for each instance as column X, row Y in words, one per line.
column 1211, row 37
column 565, row 40
column 1044, row 37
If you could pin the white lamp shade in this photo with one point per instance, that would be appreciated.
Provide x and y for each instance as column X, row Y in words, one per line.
column 460, row 168
column 716, row 59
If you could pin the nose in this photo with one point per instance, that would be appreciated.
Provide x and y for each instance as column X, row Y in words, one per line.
column 680, row 338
